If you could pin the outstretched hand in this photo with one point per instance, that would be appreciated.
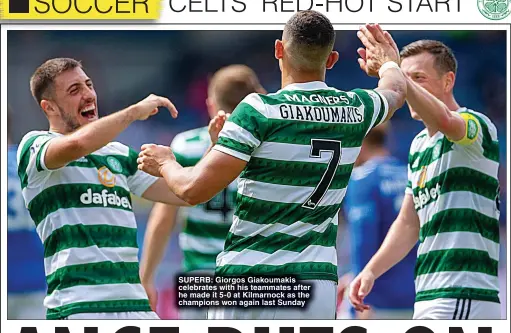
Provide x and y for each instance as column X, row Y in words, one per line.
column 379, row 49
column 216, row 124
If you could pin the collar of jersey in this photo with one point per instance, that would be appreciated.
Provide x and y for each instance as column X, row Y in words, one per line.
column 313, row 85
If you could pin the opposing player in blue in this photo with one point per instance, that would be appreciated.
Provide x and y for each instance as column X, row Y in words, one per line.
column 26, row 284
column 371, row 205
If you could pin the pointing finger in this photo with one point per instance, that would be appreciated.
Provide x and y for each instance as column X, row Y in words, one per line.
column 168, row 104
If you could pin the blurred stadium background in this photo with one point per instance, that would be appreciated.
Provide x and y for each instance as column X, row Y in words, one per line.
column 127, row 65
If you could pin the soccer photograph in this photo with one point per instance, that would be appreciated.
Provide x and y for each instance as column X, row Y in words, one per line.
column 195, row 179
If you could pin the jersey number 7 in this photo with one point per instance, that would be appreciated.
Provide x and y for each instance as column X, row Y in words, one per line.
column 317, row 147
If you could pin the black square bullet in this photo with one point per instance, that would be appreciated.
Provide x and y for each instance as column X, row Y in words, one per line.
column 19, row 6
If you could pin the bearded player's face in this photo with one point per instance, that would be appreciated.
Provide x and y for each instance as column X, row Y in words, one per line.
column 421, row 69
column 75, row 98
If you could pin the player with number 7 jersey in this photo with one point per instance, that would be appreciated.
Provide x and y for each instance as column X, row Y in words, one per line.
column 292, row 152
column 300, row 144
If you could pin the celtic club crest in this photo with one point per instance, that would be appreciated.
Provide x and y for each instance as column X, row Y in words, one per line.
column 494, row 9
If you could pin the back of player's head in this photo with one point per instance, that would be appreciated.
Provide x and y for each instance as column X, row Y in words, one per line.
column 231, row 84
column 43, row 79
column 444, row 57
column 309, row 38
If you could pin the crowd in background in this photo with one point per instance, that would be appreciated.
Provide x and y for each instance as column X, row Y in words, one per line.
column 128, row 65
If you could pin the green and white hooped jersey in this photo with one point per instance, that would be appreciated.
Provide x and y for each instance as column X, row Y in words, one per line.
column 300, row 144
column 83, row 215
column 206, row 225
column 455, row 190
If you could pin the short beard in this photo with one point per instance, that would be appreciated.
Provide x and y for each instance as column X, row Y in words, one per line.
column 70, row 123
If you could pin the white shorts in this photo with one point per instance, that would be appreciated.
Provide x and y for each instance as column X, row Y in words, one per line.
column 27, row 306
column 450, row 308
column 142, row 315
column 321, row 306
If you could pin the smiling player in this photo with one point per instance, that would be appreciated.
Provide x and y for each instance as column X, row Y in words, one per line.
column 76, row 184
column 452, row 199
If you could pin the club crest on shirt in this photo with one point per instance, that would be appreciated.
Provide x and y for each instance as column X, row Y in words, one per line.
column 471, row 129
column 106, row 177
column 114, row 164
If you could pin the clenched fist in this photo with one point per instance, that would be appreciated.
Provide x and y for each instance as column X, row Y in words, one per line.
column 153, row 157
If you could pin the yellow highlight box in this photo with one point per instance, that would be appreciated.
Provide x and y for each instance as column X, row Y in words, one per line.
column 80, row 9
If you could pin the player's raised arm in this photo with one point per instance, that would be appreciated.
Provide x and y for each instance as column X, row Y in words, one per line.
column 380, row 58
column 93, row 136
column 435, row 114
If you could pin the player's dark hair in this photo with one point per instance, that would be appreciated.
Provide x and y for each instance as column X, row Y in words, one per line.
column 231, row 84
column 44, row 76
column 444, row 57
column 310, row 37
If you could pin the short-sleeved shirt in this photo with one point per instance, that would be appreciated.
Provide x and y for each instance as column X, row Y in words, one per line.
column 455, row 190
column 300, row 145
column 83, row 215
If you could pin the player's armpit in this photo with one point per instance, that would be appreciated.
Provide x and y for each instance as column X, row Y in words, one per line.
column 471, row 128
